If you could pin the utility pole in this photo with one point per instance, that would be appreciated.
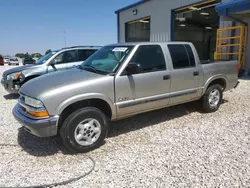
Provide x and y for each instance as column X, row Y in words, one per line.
column 65, row 39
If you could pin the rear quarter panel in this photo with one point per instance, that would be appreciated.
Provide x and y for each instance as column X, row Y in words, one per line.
column 221, row 69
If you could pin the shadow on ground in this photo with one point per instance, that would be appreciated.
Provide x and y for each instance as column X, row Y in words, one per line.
column 38, row 146
column 11, row 96
column 49, row 146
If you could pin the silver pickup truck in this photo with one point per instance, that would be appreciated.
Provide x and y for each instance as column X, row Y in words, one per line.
column 118, row 81
column 58, row 60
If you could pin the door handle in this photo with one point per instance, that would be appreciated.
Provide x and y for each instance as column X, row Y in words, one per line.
column 196, row 73
column 166, row 77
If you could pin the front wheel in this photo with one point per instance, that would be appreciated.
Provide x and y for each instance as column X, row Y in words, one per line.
column 211, row 100
column 84, row 130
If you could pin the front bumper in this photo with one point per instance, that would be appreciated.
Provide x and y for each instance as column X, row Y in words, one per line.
column 11, row 86
column 38, row 127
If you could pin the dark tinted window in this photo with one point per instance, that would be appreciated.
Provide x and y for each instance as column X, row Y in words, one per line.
column 190, row 55
column 84, row 54
column 150, row 57
column 70, row 56
column 179, row 56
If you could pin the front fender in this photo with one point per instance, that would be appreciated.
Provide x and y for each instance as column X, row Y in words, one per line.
column 82, row 97
column 211, row 79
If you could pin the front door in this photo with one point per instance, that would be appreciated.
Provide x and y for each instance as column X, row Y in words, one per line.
column 146, row 90
column 62, row 59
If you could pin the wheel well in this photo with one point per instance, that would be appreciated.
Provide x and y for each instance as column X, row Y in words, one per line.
column 219, row 81
column 98, row 103
column 30, row 77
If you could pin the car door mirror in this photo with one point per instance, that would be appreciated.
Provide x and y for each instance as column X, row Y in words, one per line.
column 52, row 62
column 133, row 68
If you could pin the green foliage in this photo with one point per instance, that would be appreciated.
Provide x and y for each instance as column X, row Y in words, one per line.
column 36, row 55
column 48, row 51
column 20, row 55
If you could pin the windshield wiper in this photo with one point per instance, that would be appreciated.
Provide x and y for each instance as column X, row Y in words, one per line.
column 91, row 67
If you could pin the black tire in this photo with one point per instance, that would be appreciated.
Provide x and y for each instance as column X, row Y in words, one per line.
column 70, row 124
column 206, row 106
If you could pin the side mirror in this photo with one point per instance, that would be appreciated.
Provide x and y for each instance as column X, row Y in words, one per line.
column 52, row 62
column 133, row 68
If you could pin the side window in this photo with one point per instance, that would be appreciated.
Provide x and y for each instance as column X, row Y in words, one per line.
column 66, row 57
column 70, row 56
column 59, row 58
column 84, row 54
column 150, row 57
column 179, row 56
column 190, row 55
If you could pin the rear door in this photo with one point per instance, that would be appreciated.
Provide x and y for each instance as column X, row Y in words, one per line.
column 146, row 90
column 185, row 74
column 82, row 55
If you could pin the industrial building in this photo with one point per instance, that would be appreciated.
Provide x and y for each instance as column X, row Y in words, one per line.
column 218, row 28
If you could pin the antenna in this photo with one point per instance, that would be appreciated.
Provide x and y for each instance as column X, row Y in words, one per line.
column 65, row 39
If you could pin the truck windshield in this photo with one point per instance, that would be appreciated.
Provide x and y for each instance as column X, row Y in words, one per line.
column 43, row 59
column 107, row 59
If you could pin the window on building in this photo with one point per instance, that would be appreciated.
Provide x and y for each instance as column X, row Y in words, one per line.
column 150, row 57
column 138, row 30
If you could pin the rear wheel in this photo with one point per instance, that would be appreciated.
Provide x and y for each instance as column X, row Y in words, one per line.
column 211, row 100
column 84, row 130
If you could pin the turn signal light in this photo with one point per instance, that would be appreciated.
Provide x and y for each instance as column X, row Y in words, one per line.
column 40, row 114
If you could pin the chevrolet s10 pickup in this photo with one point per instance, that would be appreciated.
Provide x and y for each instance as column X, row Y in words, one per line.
column 119, row 81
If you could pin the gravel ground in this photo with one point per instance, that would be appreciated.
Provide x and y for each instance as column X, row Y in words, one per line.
column 172, row 147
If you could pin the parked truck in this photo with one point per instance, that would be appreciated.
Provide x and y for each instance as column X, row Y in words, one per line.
column 58, row 60
column 119, row 81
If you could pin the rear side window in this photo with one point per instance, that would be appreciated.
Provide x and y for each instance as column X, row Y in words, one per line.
column 190, row 55
column 180, row 58
column 150, row 57
column 84, row 54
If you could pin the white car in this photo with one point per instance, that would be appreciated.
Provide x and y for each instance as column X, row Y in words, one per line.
column 6, row 60
column 13, row 61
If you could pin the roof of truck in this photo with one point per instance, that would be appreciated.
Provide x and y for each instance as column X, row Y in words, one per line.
column 147, row 43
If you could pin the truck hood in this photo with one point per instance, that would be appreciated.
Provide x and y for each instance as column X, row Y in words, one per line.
column 61, row 80
column 19, row 69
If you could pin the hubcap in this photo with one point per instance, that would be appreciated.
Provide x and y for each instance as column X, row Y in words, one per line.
column 214, row 98
column 87, row 132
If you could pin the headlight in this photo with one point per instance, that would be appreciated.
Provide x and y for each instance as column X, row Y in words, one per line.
column 33, row 102
column 14, row 76
column 35, row 108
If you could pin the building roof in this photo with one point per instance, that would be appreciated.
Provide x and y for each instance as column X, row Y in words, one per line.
column 132, row 5
column 232, row 6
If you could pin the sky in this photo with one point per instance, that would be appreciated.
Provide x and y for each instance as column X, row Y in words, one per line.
column 38, row 25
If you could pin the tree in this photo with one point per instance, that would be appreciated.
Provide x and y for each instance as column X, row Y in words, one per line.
column 48, row 51
column 20, row 55
column 27, row 56
column 36, row 55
